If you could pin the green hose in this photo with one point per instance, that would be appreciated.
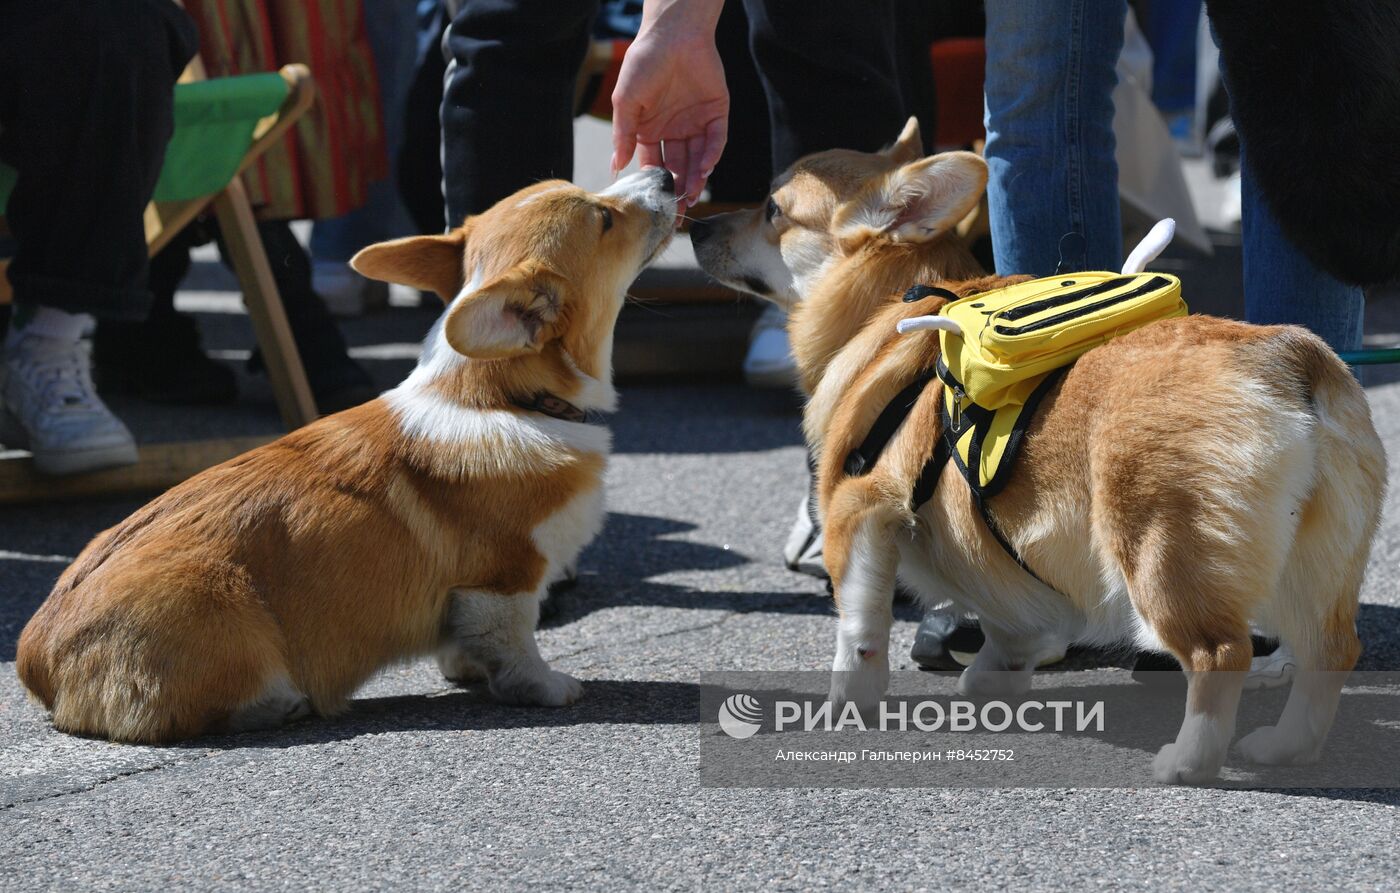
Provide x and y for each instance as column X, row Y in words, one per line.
column 1371, row 357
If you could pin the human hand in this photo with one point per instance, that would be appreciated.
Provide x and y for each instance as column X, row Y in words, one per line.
column 671, row 106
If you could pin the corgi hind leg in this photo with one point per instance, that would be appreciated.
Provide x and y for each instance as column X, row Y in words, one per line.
column 1327, row 649
column 1201, row 618
column 1315, row 612
column 179, row 654
column 1214, row 681
column 1302, row 729
column 496, row 634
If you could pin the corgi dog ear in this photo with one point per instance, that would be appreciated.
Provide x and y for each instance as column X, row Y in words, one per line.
column 428, row 263
column 516, row 313
column 917, row 202
column 909, row 146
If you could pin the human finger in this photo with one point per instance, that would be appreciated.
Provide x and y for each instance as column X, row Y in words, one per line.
column 649, row 154
column 716, row 136
column 696, row 174
column 677, row 162
column 624, row 134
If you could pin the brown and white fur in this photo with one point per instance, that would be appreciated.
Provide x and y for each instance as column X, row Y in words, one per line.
column 429, row 520
column 1181, row 483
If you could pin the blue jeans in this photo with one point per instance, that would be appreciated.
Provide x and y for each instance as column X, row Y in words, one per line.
column 1171, row 30
column 1050, row 80
column 1053, row 187
column 1281, row 286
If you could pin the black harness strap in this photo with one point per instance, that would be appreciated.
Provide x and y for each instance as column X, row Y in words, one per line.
column 862, row 458
column 919, row 292
column 1001, row 540
column 927, row 483
column 931, row 472
column 981, row 420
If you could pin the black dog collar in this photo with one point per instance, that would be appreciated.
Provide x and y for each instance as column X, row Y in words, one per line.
column 546, row 403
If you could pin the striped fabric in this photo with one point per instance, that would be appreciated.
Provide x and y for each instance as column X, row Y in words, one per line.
column 325, row 165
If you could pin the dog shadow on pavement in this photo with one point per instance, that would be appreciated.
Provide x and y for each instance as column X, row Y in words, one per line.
column 606, row 702
column 623, row 565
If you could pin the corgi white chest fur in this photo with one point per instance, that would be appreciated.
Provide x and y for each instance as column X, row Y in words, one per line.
column 511, row 440
column 501, row 437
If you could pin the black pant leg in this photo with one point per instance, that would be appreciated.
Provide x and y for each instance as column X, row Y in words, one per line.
column 329, row 368
column 915, row 26
column 86, row 97
column 420, row 154
column 507, row 106
column 744, row 170
column 829, row 72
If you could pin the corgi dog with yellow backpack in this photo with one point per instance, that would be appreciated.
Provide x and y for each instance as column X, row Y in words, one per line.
column 1124, row 473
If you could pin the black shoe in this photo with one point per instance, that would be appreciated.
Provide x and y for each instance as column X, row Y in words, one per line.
column 1160, row 668
column 549, row 606
column 345, row 398
column 1157, row 668
column 159, row 360
column 946, row 642
column 337, row 382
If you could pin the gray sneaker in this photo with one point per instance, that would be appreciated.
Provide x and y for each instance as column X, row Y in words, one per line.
column 769, row 362
column 803, row 550
column 52, row 408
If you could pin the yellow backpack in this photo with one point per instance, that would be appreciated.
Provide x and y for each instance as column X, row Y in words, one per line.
column 1013, row 335
column 1003, row 350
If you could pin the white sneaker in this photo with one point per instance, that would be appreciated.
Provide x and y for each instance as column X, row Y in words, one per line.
column 1231, row 203
column 53, row 409
column 346, row 292
column 1271, row 670
column 769, row 363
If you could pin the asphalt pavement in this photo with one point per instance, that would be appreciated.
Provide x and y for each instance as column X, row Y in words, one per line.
column 423, row 786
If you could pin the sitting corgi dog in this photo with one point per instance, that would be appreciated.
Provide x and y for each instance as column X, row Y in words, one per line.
column 1178, row 484
column 429, row 520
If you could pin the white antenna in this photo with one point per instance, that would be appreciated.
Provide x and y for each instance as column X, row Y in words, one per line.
column 919, row 323
column 1152, row 244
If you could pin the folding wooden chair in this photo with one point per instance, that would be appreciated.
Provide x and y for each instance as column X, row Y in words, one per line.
column 222, row 126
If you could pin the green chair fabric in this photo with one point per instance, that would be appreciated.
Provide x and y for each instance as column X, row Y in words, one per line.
column 214, row 122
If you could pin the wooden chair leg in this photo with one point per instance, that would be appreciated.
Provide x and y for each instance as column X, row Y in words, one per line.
column 283, row 362
column 162, row 466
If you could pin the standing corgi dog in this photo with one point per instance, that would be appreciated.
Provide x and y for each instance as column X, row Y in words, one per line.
column 429, row 520
column 1177, row 485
